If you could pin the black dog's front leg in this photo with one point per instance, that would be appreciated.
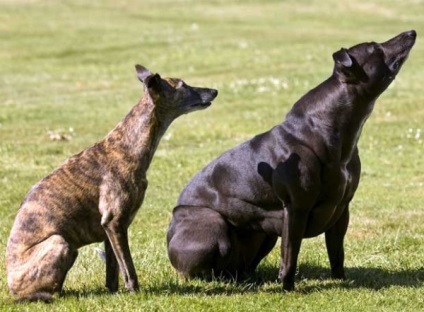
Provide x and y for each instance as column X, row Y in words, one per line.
column 334, row 241
column 112, row 268
column 294, row 225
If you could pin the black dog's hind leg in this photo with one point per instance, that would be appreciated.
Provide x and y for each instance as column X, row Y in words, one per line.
column 334, row 241
column 199, row 242
column 266, row 247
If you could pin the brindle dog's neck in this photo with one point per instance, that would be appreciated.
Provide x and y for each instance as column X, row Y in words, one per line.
column 137, row 136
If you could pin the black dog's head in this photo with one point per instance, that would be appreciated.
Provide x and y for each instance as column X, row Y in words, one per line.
column 373, row 65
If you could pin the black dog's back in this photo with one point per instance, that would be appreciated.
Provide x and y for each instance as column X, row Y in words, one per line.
column 237, row 183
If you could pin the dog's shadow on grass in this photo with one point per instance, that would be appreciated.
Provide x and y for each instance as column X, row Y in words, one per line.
column 84, row 293
column 310, row 278
column 360, row 277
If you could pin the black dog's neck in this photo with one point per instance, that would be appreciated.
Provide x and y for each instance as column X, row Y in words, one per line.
column 332, row 115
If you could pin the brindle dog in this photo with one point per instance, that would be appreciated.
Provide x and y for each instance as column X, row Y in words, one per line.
column 95, row 195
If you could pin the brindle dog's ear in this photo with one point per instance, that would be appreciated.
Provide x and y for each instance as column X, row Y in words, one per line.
column 343, row 58
column 150, row 80
column 142, row 73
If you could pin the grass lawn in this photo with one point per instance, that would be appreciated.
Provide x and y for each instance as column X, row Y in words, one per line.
column 67, row 67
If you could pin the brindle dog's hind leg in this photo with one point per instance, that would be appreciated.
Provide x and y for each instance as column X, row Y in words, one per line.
column 44, row 270
column 112, row 268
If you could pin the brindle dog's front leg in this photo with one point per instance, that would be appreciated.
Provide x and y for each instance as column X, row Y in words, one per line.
column 112, row 268
column 118, row 238
column 294, row 225
column 334, row 241
column 115, row 207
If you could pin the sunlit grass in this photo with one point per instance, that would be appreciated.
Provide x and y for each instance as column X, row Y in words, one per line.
column 70, row 65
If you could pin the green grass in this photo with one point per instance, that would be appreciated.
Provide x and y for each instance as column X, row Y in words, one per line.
column 70, row 64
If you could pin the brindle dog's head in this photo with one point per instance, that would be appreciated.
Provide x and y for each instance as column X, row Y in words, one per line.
column 373, row 66
column 172, row 96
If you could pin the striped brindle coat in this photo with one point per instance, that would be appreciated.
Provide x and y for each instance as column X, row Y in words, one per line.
column 94, row 195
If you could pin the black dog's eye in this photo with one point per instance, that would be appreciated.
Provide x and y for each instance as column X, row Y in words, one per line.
column 395, row 65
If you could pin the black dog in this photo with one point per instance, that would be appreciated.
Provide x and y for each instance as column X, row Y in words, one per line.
column 294, row 181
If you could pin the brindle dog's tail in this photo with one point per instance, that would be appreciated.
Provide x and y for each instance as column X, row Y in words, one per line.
column 38, row 296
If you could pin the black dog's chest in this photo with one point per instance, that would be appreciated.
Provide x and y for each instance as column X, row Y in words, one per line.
column 336, row 192
column 334, row 183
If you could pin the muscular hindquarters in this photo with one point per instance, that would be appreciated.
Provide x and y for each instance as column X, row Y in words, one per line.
column 38, row 269
column 42, row 246
column 202, row 243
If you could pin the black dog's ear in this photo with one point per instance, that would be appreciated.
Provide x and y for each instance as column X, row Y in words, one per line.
column 347, row 68
column 150, row 80
column 342, row 57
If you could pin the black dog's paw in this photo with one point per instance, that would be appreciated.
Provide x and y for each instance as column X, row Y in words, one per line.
column 338, row 275
column 287, row 287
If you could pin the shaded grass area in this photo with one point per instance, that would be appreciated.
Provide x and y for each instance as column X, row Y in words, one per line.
column 67, row 67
